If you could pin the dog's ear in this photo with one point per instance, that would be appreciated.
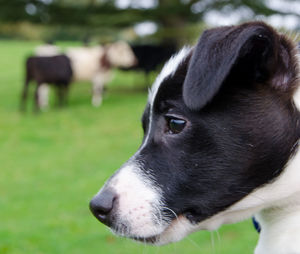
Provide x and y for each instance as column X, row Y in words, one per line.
column 252, row 52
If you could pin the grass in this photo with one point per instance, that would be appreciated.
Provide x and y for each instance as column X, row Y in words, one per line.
column 54, row 162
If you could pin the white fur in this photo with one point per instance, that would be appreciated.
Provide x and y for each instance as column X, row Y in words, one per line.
column 137, row 203
column 168, row 70
column 281, row 228
column 176, row 231
column 297, row 98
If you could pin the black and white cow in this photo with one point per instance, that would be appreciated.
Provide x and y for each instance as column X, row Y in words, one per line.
column 221, row 144
column 95, row 64
column 44, row 70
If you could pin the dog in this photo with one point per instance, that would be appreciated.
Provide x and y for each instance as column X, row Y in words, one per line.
column 221, row 131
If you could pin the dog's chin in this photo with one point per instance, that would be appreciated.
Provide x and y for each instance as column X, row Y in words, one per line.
column 175, row 231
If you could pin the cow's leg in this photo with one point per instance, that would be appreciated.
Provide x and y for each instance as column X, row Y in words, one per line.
column 24, row 94
column 59, row 95
column 99, row 81
column 36, row 98
column 62, row 94
column 97, row 93
column 43, row 96
column 66, row 93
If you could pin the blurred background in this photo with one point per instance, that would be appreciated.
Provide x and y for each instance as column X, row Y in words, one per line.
column 55, row 156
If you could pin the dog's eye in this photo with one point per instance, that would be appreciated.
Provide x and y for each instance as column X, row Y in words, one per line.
column 175, row 125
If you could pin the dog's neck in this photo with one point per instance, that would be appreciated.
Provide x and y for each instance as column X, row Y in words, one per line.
column 280, row 222
column 280, row 228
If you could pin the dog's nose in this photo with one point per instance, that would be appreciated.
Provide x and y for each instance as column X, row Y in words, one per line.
column 102, row 205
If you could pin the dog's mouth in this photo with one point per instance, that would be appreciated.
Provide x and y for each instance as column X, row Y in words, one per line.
column 152, row 240
column 148, row 240
column 123, row 231
column 174, row 231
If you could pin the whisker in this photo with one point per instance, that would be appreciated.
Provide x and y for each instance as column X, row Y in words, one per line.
column 169, row 209
column 194, row 243
column 157, row 249
column 212, row 239
column 160, row 213
column 218, row 236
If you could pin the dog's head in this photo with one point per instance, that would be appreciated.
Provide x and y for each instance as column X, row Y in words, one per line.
column 220, row 123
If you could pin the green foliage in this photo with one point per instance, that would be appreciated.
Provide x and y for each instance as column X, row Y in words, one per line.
column 105, row 13
column 102, row 17
column 54, row 162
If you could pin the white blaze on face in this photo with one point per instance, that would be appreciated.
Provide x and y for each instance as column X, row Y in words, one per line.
column 168, row 71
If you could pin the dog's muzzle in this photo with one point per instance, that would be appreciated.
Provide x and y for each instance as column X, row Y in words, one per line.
column 131, row 205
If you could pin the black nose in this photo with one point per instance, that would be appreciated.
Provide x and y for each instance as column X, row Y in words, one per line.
column 102, row 205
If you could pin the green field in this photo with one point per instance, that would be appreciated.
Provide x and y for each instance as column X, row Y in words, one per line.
column 54, row 162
